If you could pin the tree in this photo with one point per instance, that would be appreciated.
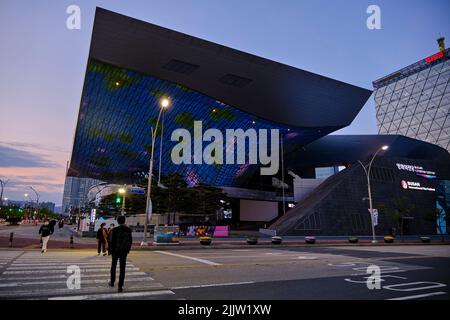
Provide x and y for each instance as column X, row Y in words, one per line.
column 205, row 200
column 436, row 216
column 400, row 211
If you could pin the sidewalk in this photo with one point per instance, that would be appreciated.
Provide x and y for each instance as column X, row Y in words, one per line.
column 194, row 243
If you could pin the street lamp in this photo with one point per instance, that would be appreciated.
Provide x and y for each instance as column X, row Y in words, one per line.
column 367, row 172
column 123, row 192
column 37, row 200
column 165, row 102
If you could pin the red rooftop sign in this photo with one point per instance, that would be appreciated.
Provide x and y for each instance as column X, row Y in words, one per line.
column 434, row 57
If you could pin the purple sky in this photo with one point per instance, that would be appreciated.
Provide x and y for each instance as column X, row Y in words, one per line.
column 42, row 63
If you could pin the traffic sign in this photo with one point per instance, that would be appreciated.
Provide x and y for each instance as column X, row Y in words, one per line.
column 137, row 191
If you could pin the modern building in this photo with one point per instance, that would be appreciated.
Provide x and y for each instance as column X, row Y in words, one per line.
column 409, row 177
column 133, row 64
column 75, row 193
column 47, row 205
column 415, row 101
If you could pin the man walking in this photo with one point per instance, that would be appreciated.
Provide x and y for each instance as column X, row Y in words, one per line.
column 45, row 231
column 110, row 230
column 121, row 241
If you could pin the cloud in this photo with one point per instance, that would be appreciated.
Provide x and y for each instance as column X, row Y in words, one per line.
column 16, row 144
column 11, row 157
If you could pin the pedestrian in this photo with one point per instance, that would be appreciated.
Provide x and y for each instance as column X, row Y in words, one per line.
column 110, row 231
column 102, row 239
column 121, row 242
column 45, row 231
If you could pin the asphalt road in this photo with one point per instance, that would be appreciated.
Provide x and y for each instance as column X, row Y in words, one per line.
column 407, row 272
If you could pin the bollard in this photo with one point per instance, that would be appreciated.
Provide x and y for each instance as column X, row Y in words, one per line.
column 11, row 236
column 71, row 241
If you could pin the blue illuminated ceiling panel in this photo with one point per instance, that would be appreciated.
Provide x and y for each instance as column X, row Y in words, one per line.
column 118, row 108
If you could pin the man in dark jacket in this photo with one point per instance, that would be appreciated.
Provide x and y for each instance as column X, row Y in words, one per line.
column 121, row 241
column 102, row 238
column 45, row 231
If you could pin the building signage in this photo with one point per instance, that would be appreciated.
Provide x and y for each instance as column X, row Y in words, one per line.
column 413, row 185
column 167, row 235
column 374, row 217
column 434, row 57
column 93, row 214
column 137, row 191
column 418, row 170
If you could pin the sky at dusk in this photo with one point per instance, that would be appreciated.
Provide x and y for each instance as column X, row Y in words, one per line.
column 42, row 63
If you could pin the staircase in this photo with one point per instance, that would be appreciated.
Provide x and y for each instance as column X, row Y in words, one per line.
column 305, row 209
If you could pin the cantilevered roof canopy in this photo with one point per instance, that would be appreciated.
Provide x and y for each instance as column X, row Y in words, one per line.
column 258, row 86
column 132, row 64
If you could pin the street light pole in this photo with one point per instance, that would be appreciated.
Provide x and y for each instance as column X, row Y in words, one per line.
column 369, row 190
column 123, row 191
column 37, row 200
column 148, row 212
column 2, row 187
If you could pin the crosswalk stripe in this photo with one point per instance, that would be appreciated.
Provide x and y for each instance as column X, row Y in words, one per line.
column 27, row 265
column 64, row 276
column 62, row 267
column 61, row 271
column 18, row 284
column 115, row 295
column 48, row 292
column 99, row 288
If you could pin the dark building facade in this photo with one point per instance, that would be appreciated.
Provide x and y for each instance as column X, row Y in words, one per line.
column 403, row 179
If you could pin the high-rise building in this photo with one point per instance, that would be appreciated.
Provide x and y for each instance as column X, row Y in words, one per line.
column 415, row 101
column 75, row 192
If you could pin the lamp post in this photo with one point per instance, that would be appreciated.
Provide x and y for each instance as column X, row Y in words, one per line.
column 37, row 200
column 165, row 102
column 123, row 192
column 2, row 188
column 369, row 190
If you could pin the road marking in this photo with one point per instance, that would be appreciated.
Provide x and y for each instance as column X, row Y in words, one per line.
column 433, row 285
column 19, row 293
column 53, row 267
column 115, row 295
column 307, row 258
column 64, row 276
column 211, row 263
column 93, row 281
column 419, row 296
column 212, row 285
column 63, row 271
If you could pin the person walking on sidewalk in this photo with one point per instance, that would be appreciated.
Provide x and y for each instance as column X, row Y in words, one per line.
column 102, row 238
column 45, row 231
column 110, row 230
column 121, row 242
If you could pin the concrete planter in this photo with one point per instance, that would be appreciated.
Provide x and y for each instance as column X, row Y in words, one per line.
column 205, row 241
column 252, row 241
column 310, row 240
column 353, row 240
column 425, row 239
column 277, row 240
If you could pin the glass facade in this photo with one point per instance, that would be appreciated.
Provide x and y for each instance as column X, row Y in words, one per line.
column 75, row 192
column 118, row 108
column 415, row 101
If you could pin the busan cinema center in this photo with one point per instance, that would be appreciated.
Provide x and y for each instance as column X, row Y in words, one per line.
column 320, row 187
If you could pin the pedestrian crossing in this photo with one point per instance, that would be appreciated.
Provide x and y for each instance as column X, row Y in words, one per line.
column 75, row 275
